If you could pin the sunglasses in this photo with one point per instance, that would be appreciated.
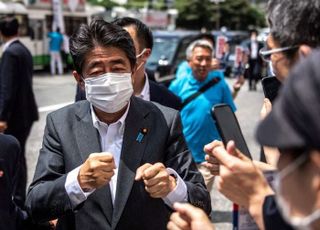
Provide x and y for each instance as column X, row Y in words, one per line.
column 265, row 53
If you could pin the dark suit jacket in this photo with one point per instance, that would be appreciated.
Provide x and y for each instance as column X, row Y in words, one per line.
column 161, row 94
column 255, row 65
column 17, row 103
column 69, row 139
column 11, row 216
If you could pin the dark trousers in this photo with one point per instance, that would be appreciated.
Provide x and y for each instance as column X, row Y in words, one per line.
column 21, row 186
column 254, row 73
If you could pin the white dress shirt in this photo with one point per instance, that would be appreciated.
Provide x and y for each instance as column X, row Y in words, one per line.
column 254, row 50
column 111, row 138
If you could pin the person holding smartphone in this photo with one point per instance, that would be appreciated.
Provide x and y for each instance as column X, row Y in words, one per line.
column 294, row 34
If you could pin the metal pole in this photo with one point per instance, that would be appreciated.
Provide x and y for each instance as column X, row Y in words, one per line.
column 218, row 17
column 218, row 12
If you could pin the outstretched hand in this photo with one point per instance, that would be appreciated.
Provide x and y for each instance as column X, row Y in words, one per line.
column 188, row 217
column 240, row 180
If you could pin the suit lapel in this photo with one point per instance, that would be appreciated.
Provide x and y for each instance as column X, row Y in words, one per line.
column 88, row 141
column 87, row 136
column 131, row 154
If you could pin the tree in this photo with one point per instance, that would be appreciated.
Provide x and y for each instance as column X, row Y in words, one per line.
column 194, row 14
column 234, row 14
column 107, row 4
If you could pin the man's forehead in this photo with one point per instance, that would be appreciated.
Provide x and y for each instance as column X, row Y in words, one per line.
column 200, row 50
column 106, row 54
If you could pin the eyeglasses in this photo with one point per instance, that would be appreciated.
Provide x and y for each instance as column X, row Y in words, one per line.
column 265, row 54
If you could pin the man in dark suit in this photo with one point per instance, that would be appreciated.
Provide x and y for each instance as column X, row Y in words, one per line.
column 18, row 109
column 144, row 88
column 255, row 61
column 11, row 216
column 143, row 43
column 114, row 161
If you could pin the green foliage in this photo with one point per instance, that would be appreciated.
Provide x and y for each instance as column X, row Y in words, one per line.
column 135, row 4
column 194, row 15
column 197, row 14
column 159, row 5
column 234, row 14
column 108, row 4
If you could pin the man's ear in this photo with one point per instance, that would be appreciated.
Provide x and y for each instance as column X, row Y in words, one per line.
column 304, row 50
column 147, row 54
column 78, row 79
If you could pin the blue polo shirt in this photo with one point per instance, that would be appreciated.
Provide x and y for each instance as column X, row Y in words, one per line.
column 183, row 69
column 198, row 126
column 56, row 40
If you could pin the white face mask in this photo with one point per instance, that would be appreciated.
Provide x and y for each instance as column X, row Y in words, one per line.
column 299, row 223
column 109, row 92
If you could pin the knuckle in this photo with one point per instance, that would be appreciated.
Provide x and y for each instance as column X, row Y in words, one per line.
column 232, row 166
column 91, row 164
column 184, row 225
column 159, row 165
column 92, row 156
column 146, row 182
column 163, row 174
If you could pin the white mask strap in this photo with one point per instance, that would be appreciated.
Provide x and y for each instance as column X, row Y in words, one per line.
column 143, row 51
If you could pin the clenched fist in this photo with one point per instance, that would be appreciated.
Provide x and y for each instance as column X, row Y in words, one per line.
column 158, row 182
column 96, row 171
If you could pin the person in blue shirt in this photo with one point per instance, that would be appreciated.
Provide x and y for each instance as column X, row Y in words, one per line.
column 198, row 126
column 56, row 41
column 184, row 69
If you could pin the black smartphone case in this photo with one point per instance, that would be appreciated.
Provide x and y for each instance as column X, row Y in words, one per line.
column 228, row 127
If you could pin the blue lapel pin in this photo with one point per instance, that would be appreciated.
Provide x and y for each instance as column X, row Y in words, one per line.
column 141, row 135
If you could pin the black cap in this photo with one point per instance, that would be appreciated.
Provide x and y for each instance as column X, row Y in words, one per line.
column 294, row 121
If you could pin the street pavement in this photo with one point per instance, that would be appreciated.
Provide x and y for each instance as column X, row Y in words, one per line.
column 53, row 92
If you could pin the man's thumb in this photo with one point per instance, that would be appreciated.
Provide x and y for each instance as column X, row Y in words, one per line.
column 231, row 149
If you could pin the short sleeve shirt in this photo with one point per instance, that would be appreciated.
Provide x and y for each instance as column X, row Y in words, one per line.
column 198, row 125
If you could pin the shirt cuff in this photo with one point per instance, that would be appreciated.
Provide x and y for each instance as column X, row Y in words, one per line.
column 179, row 194
column 74, row 191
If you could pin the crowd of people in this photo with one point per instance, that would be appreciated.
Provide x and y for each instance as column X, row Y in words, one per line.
column 133, row 154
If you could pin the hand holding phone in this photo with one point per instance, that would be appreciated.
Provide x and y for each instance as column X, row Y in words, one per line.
column 229, row 128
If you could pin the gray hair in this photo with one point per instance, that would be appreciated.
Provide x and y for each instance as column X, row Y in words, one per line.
column 294, row 22
column 198, row 43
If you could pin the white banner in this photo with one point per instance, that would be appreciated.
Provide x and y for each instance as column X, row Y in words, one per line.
column 73, row 4
column 57, row 16
column 221, row 41
column 238, row 56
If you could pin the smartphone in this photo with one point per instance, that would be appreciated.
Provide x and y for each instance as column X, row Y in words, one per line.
column 228, row 127
column 271, row 86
